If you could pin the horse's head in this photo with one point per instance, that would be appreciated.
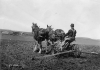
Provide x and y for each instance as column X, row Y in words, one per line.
column 35, row 26
column 41, row 31
column 49, row 28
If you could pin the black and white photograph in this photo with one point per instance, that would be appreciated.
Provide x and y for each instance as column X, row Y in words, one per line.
column 49, row 34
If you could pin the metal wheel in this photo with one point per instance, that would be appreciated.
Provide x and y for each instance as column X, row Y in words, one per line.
column 77, row 50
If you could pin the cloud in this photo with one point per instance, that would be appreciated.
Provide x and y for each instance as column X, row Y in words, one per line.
column 95, row 34
column 84, row 14
column 11, row 24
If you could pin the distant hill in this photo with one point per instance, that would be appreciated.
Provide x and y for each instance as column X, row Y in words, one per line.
column 28, row 36
column 87, row 41
column 6, row 31
column 12, row 30
column 7, row 34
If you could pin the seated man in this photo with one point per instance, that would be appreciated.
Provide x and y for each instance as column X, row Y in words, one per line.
column 70, row 36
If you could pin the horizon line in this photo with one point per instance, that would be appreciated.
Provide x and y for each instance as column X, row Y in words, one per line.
column 30, row 32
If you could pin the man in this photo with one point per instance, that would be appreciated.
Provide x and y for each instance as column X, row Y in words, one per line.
column 70, row 36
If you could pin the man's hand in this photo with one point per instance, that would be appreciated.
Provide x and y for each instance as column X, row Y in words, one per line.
column 66, row 38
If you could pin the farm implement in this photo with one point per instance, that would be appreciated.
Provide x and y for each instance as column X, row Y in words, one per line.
column 58, row 50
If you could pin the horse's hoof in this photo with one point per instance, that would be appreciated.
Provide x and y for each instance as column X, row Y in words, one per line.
column 39, row 52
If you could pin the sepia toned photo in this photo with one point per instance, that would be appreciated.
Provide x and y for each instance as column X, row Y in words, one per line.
column 49, row 34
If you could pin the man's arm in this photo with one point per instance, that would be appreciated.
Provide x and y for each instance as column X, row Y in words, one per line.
column 67, row 33
column 75, row 33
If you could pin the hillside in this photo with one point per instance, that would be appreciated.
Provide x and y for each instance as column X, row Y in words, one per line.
column 28, row 37
column 87, row 41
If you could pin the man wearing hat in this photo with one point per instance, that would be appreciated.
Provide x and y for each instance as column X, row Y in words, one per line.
column 70, row 35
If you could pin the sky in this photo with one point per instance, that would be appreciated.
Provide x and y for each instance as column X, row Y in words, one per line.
column 20, row 14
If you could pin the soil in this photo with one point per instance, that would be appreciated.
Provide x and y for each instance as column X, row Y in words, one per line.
column 21, row 53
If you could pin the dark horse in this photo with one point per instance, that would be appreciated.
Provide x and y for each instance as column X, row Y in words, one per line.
column 55, row 36
column 40, row 34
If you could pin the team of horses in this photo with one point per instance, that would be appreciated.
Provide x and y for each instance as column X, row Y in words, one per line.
column 48, row 34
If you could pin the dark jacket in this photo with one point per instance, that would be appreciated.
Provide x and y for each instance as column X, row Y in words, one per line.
column 71, row 33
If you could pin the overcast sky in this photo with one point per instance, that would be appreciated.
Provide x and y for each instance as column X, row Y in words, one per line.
column 19, row 15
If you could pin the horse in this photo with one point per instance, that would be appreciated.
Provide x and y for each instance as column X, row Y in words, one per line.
column 60, row 34
column 54, row 39
column 35, row 32
column 40, row 34
column 51, row 34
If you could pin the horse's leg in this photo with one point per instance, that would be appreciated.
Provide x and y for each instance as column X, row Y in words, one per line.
column 61, row 42
column 40, row 47
column 40, row 50
column 47, row 42
column 35, row 48
column 46, row 50
column 47, row 45
column 52, row 48
column 61, row 46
